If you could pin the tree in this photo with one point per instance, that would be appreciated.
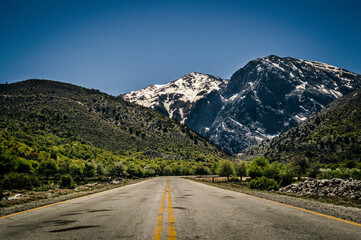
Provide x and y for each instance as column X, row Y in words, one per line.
column 272, row 171
column 167, row 171
column 241, row 170
column 149, row 171
column 118, row 169
column 300, row 165
column 226, row 169
column 254, row 171
column 89, row 170
column 186, row 170
column 214, row 167
column 100, row 170
column 77, row 171
column 66, row 181
column 256, row 167
column 48, row 167
column 177, row 170
column 132, row 170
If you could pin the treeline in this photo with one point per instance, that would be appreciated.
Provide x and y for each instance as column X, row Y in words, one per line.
column 25, row 159
column 264, row 175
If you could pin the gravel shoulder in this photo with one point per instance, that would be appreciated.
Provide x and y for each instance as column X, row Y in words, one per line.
column 347, row 213
column 43, row 202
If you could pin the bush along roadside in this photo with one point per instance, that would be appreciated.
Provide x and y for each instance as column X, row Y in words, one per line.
column 263, row 183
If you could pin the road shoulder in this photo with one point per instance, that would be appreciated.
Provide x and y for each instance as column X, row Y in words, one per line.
column 5, row 211
column 342, row 212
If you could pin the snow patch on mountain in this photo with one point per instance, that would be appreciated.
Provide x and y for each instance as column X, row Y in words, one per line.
column 264, row 98
column 268, row 96
column 177, row 98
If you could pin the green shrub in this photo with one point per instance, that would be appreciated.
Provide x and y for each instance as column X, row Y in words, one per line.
column 356, row 174
column 234, row 179
column 48, row 168
column 285, row 178
column 24, row 166
column 66, row 181
column 177, row 170
column 76, row 171
column 343, row 173
column 202, row 170
column 257, row 167
column 167, row 171
column 254, row 171
column 187, row 171
column 20, row 181
column 314, row 171
column 271, row 171
column 326, row 174
column 260, row 161
column 263, row 183
column 89, row 170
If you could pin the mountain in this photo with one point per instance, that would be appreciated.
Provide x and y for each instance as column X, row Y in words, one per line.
column 266, row 97
column 177, row 98
column 43, row 115
column 332, row 135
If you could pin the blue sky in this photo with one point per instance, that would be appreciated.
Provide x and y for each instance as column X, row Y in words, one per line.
column 120, row 46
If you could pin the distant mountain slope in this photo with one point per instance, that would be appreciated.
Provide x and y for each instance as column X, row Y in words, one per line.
column 176, row 98
column 106, row 122
column 331, row 136
column 266, row 97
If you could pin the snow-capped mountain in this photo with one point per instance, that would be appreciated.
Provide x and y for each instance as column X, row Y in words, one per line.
column 176, row 98
column 266, row 97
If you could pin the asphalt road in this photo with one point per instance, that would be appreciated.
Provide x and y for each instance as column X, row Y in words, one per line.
column 172, row 209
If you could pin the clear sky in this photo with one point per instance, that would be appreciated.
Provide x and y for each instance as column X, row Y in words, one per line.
column 120, row 46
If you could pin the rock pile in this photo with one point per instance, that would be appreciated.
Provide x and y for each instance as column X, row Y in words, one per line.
column 335, row 187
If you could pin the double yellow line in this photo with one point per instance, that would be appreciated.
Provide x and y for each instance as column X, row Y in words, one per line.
column 171, row 232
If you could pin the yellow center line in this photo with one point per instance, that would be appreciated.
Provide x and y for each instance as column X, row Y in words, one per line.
column 157, row 235
column 171, row 233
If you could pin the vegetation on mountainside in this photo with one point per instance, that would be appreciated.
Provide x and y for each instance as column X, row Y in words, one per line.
column 53, row 130
column 326, row 145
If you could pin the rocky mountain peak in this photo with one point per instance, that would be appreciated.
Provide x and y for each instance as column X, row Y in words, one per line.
column 264, row 98
column 176, row 98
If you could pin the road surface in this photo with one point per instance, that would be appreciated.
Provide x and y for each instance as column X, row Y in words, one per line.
column 172, row 208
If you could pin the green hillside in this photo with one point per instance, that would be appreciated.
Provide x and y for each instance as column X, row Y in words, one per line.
column 43, row 121
column 331, row 137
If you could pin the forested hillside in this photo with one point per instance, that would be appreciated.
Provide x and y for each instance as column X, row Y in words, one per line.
column 332, row 136
column 49, row 127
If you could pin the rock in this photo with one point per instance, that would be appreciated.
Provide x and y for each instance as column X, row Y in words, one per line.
column 336, row 187
column 115, row 182
column 15, row 197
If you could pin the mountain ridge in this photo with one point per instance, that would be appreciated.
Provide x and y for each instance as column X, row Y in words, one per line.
column 96, row 118
column 264, row 98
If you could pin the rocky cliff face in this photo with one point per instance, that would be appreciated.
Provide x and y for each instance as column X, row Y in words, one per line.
column 328, row 136
column 266, row 97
